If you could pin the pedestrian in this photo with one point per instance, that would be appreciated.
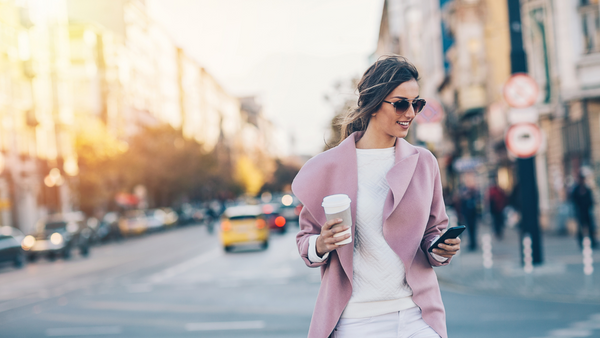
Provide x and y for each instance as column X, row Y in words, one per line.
column 497, row 201
column 383, row 283
column 469, row 198
column 583, row 201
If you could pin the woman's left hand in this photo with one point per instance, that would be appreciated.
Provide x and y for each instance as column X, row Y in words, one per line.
column 449, row 248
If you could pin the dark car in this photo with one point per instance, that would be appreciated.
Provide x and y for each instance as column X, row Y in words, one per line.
column 10, row 246
column 190, row 214
column 275, row 221
column 108, row 227
column 290, row 208
column 59, row 235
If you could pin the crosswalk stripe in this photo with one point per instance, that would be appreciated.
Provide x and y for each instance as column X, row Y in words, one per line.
column 83, row 331
column 219, row 326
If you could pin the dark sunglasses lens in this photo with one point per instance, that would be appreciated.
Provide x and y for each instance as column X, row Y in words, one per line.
column 418, row 105
column 401, row 106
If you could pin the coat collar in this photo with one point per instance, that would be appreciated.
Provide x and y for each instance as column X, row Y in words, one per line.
column 401, row 174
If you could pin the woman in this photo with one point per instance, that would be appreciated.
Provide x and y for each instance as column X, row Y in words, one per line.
column 382, row 284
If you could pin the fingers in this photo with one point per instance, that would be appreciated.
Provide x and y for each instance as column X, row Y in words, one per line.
column 330, row 235
column 330, row 223
column 449, row 248
column 452, row 241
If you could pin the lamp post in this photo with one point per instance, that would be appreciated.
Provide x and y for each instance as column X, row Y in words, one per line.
column 528, row 192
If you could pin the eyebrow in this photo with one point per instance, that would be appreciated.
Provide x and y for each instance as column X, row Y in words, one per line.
column 405, row 98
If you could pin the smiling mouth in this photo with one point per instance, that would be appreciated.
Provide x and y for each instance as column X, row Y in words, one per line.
column 403, row 123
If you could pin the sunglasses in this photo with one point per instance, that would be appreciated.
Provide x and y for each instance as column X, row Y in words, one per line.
column 403, row 104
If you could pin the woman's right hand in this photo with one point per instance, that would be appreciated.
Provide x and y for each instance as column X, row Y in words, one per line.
column 326, row 242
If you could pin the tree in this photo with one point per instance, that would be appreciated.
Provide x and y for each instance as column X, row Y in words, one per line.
column 98, row 152
column 342, row 99
column 170, row 167
column 282, row 177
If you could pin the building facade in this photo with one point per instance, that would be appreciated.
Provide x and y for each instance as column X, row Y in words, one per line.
column 36, row 133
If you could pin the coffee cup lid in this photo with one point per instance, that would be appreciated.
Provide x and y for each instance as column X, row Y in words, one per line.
column 337, row 200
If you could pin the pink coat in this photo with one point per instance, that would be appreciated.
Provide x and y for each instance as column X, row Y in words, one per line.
column 414, row 213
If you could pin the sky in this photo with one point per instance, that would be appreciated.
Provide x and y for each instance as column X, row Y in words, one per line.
column 289, row 53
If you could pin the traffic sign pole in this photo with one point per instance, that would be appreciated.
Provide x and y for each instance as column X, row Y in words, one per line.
column 527, row 184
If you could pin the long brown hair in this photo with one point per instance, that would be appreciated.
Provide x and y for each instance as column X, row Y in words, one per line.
column 387, row 73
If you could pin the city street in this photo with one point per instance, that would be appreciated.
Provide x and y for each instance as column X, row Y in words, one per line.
column 180, row 283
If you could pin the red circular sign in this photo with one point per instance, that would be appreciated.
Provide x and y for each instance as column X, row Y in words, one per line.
column 523, row 139
column 521, row 91
column 432, row 112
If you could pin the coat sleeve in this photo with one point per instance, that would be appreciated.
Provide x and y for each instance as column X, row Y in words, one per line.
column 438, row 219
column 308, row 227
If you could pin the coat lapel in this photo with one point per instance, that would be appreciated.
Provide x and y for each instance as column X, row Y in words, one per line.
column 348, row 184
column 400, row 175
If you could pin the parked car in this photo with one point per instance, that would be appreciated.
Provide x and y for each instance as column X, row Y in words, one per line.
column 275, row 221
column 158, row 219
column 108, row 228
column 242, row 225
column 10, row 246
column 290, row 208
column 189, row 214
column 58, row 235
column 134, row 222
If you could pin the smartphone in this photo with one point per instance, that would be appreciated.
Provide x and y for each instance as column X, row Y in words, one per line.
column 450, row 233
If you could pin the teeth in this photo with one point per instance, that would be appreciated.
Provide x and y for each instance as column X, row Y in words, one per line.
column 403, row 123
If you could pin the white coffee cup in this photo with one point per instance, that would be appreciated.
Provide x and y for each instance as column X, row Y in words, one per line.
column 338, row 206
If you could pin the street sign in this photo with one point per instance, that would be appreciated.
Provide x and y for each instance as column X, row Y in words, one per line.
column 520, row 91
column 523, row 139
column 523, row 115
column 432, row 112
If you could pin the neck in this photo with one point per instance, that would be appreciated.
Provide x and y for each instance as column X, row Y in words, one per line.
column 372, row 140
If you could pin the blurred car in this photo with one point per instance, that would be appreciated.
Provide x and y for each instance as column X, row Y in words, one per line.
column 10, row 246
column 275, row 221
column 134, row 222
column 58, row 235
column 108, row 227
column 158, row 219
column 290, row 208
column 189, row 214
column 244, row 224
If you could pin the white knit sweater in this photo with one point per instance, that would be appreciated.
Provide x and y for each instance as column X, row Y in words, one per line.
column 379, row 282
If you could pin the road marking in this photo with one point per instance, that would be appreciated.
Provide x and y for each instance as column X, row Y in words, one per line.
column 185, row 266
column 83, row 331
column 221, row 326
column 139, row 288
column 578, row 329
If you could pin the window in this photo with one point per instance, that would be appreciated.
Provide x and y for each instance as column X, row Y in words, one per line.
column 590, row 20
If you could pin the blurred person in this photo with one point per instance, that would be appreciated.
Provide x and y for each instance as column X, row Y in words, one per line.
column 383, row 284
column 497, row 199
column 469, row 197
column 583, row 201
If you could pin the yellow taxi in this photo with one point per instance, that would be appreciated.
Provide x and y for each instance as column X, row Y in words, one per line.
column 244, row 225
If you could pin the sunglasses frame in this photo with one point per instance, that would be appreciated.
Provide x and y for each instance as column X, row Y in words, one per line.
column 410, row 103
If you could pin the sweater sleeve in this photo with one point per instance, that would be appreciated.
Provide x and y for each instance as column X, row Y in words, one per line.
column 309, row 227
column 312, row 250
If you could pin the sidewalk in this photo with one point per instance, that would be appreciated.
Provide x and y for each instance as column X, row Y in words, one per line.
column 560, row 278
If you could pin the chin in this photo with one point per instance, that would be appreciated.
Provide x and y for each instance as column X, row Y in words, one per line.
column 401, row 134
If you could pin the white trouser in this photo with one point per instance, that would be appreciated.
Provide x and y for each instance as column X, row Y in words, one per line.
column 402, row 324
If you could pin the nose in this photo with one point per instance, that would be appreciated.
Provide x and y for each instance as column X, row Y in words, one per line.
column 410, row 112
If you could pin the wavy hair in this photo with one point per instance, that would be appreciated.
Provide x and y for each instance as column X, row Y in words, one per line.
column 387, row 73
